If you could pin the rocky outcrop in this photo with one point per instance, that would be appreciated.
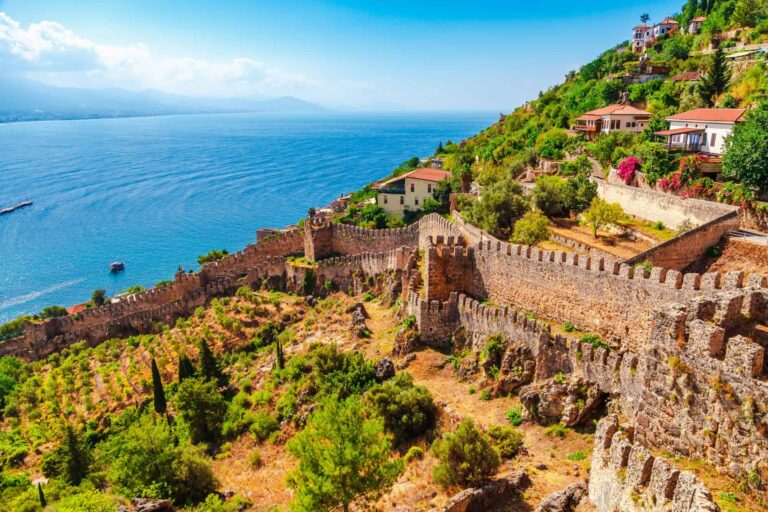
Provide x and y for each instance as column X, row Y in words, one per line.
column 625, row 476
column 385, row 370
column 496, row 495
column 568, row 401
column 152, row 505
column 566, row 500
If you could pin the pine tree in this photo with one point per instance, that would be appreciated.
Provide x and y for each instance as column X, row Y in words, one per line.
column 77, row 463
column 186, row 369
column 439, row 149
column 40, row 495
column 209, row 366
column 716, row 80
column 158, row 391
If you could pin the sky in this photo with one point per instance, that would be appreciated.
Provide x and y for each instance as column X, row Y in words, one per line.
column 357, row 54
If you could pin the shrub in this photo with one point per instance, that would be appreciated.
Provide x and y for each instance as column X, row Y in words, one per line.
column 339, row 373
column 201, row 408
column 506, row 439
column 343, row 457
column 531, row 229
column 213, row 255
column 414, row 453
column 551, row 144
column 408, row 410
column 627, row 169
column 148, row 459
column 515, row 416
column 466, row 457
column 485, row 395
column 578, row 456
column 556, row 430
column 569, row 327
column 548, row 195
column 559, row 378
column 254, row 459
column 263, row 425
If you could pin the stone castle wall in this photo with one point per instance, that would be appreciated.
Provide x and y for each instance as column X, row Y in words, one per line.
column 625, row 476
column 681, row 251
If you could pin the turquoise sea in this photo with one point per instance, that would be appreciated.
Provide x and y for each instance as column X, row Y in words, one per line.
column 157, row 192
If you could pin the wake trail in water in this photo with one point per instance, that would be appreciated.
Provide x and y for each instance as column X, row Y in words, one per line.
column 21, row 299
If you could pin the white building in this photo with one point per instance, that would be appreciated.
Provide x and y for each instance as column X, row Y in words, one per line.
column 619, row 117
column 644, row 36
column 702, row 130
column 409, row 191
column 695, row 25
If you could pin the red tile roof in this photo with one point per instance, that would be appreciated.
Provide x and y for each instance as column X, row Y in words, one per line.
column 641, row 27
column 589, row 117
column 687, row 76
column 713, row 115
column 619, row 109
column 77, row 308
column 678, row 131
column 699, row 18
column 423, row 174
column 668, row 21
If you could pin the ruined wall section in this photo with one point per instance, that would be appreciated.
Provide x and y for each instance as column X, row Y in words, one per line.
column 625, row 476
column 615, row 300
column 437, row 321
column 448, row 267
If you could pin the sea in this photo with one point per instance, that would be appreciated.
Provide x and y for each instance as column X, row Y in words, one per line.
column 157, row 192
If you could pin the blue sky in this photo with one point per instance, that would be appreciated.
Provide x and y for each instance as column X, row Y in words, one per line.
column 395, row 54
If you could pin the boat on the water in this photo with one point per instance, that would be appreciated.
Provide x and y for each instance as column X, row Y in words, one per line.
column 15, row 207
column 116, row 266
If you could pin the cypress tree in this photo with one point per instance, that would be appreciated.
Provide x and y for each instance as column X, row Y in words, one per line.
column 279, row 353
column 716, row 80
column 186, row 369
column 209, row 366
column 157, row 390
column 439, row 149
column 77, row 464
column 40, row 495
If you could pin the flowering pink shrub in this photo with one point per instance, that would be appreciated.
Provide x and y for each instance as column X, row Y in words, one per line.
column 627, row 169
column 672, row 182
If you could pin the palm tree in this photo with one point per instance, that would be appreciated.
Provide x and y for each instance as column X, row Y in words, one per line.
column 644, row 18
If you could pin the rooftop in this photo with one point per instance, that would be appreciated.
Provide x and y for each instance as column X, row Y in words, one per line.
column 678, row 131
column 687, row 76
column 699, row 19
column 714, row 115
column 668, row 21
column 618, row 109
column 423, row 174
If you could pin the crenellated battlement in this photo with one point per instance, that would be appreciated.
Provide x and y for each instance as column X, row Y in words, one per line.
column 625, row 476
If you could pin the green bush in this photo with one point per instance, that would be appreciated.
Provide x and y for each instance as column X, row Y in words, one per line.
column 465, row 456
column 548, row 195
column 263, row 425
column 149, row 459
column 213, row 255
column 515, row 416
column 414, row 453
column 531, row 230
column 201, row 408
column 506, row 439
column 408, row 410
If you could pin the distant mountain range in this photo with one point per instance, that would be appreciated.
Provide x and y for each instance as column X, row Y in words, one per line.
column 24, row 100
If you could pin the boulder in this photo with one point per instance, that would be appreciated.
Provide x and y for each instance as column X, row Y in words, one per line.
column 152, row 505
column 566, row 500
column 385, row 370
column 496, row 495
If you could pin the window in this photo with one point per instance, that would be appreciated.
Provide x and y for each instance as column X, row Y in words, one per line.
column 416, row 201
column 385, row 199
column 714, row 139
column 413, row 188
column 429, row 188
column 401, row 200
column 629, row 124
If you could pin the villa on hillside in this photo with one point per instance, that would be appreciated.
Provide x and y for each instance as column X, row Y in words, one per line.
column 617, row 117
column 695, row 25
column 644, row 36
column 409, row 191
column 702, row 130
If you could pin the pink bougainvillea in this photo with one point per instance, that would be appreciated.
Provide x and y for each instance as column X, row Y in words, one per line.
column 627, row 169
column 672, row 182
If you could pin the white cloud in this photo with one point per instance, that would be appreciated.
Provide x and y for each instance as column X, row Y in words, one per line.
column 50, row 52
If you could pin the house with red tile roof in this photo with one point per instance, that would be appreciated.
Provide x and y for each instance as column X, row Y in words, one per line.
column 644, row 36
column 409, row 191
column 702, row 130
column 694, row 27
column 617, row 117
